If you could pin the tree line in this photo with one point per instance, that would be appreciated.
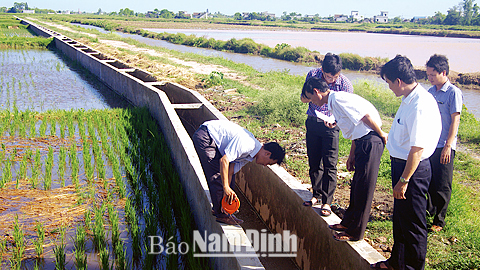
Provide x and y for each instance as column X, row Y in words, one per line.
column 467, row 12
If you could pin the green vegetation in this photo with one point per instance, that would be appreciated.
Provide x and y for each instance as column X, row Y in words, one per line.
column 14, row 35
column 154, row 198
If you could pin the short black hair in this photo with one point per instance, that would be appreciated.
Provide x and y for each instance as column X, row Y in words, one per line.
column 439, row 63
column 399, row 67
column 332, row 64
column 314, row 82
column 276, row 151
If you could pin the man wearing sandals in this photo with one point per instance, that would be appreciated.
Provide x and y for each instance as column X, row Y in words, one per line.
column 224, row 148
column 360, row 122
column 412, row 140
column 449, row 100
column 322, row 141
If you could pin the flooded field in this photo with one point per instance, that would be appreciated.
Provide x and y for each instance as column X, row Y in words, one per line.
column 85, row 179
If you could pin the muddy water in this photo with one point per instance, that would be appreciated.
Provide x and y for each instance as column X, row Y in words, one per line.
column 462, row 52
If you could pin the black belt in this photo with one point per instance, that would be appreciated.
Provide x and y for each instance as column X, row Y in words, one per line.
column 398, row 160
column 367, row 136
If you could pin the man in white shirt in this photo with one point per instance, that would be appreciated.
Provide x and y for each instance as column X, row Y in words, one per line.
column 412, row 140
column 360, row 122
column 224, row 148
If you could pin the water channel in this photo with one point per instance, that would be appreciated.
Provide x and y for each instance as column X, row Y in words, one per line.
column 264, row 64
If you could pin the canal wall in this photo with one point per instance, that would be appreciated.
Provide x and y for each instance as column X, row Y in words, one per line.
column 276, row 195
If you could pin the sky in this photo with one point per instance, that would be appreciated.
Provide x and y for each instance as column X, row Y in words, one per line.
column 405, row 9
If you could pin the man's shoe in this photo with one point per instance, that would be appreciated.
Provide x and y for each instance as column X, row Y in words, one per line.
column 239, row 221
column 435, row 228
column 228, row 220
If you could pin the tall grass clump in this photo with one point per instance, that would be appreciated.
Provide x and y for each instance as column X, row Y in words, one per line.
column 280, row 103
column 19, row 246
column 40, row 241
column 79, row 243
column 59, row 251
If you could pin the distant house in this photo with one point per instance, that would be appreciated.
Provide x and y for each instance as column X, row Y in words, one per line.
column 356, row 16
column 340, row 18
column 32, row 11
column 267, row 14
column 419, row 18
column 382, row 18
column 200, row 15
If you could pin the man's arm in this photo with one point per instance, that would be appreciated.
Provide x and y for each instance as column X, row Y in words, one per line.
column 226, row 173
column 412, row 163
column 452, row 133
column 371, row 124
column 351, row 158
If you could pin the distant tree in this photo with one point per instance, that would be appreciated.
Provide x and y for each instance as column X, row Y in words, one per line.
column 438, row 18
column 237, row 16
column 13, row 10
column 285, row 17
column 164, row 13
column 397, row 20
column 99, row 11
column 467, row 12
column 3, row 9
column 20, row 6
column 453, row 17
column 126, row 12
column 182, row 15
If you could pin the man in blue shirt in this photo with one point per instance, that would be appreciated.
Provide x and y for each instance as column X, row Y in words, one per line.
column 449, row 100
column 224, row 148
column 322, row 141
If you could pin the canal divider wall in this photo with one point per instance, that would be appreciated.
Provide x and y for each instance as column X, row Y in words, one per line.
column 274, row 193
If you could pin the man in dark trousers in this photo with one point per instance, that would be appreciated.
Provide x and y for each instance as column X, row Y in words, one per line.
column 360, row 122
column 412, row 140
column 322, row 141
column 449, row 100
column 224, row 148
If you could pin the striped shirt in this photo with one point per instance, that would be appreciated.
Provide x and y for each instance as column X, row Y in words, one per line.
column 341, row 84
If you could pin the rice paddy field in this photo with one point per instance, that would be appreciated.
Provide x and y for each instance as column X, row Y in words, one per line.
column 84, row 177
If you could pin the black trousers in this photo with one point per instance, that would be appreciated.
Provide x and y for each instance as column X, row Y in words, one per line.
column 409, row 218
column 440, row 189
column 368, row 151
column 322, row 151
column 210, row 158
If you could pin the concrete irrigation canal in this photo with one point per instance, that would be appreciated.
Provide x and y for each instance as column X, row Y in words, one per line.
column 275, row 195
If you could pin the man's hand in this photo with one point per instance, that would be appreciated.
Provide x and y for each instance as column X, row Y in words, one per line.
column 384, row 136
column 230, row 194
column 351, row 163
column 445, row 157
column 399, row 190
column 330, row 125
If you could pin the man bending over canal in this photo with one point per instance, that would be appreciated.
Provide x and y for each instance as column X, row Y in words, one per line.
column 360, row 122
column 224, row 148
